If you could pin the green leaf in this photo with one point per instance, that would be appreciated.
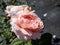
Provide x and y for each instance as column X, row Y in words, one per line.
column 16, row 41
column 28, row 43
column 1, row 38
column 7, row 33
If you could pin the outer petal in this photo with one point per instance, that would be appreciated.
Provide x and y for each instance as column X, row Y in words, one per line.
column 12, row 10
column 25, row 35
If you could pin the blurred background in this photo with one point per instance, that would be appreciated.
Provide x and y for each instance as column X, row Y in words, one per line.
column 47, row 10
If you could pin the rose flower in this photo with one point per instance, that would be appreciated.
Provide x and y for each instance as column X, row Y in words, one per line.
column 24, row 22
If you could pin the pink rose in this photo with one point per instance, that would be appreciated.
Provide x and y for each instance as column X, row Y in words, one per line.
column 24, row 22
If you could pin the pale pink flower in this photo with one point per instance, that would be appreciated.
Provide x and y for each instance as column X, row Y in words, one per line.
column 24, row 22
